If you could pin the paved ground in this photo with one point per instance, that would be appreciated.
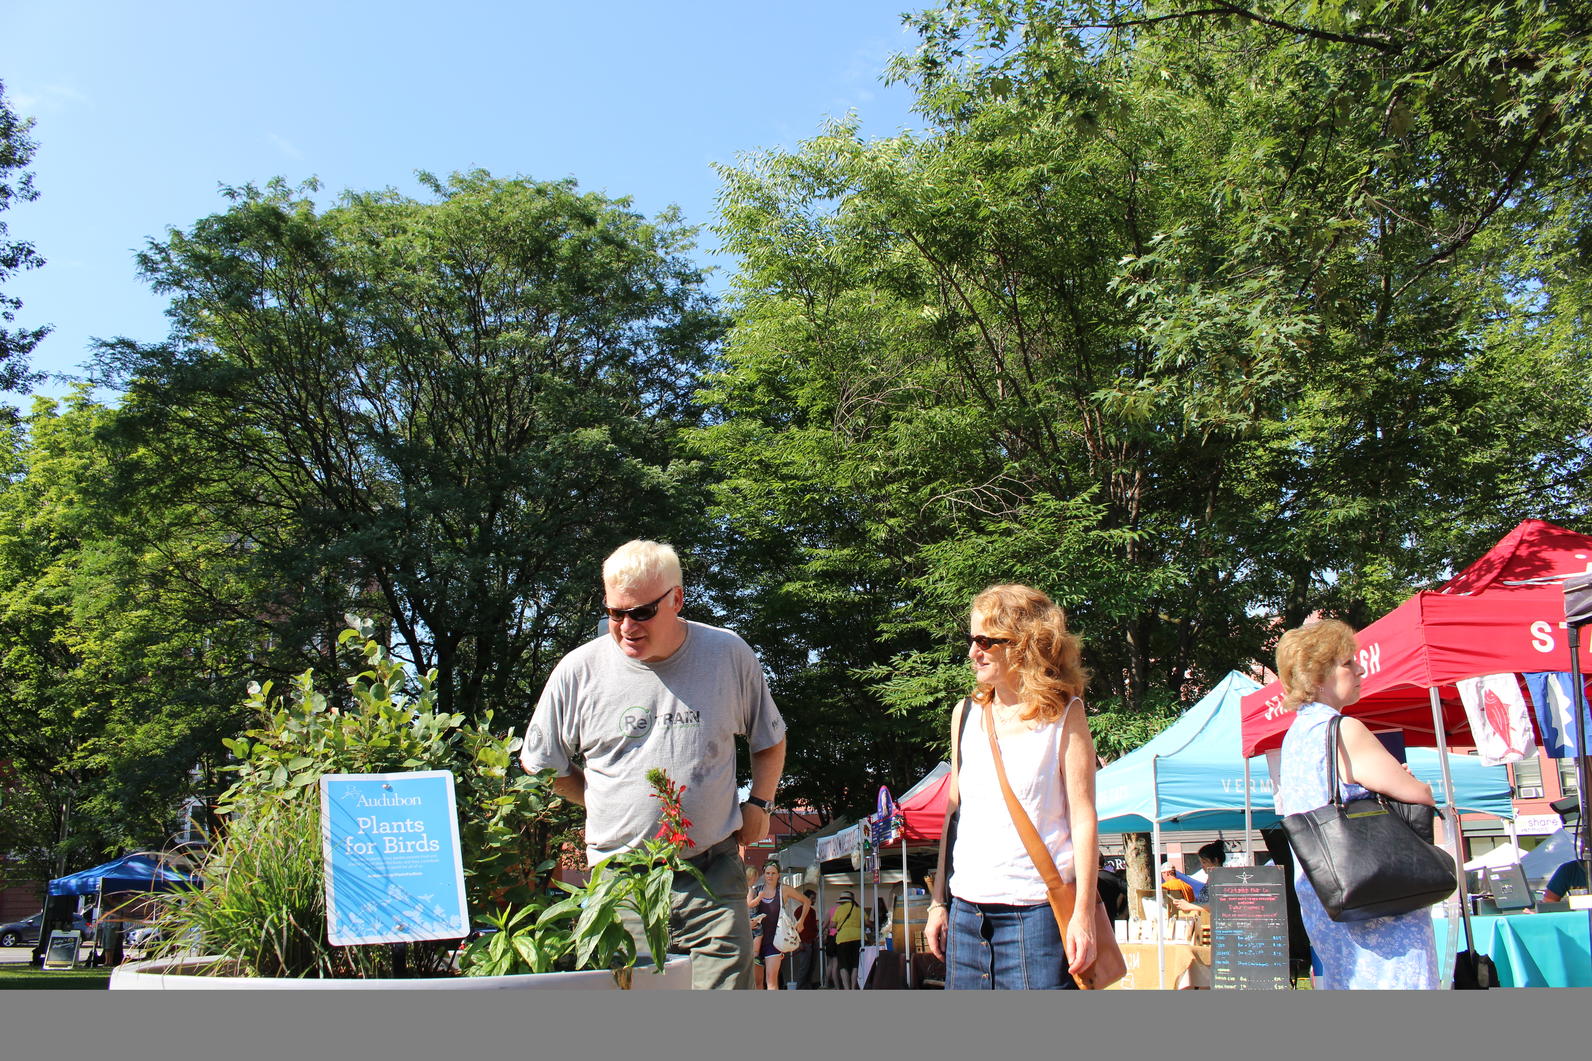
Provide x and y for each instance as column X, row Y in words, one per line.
column 23, row 955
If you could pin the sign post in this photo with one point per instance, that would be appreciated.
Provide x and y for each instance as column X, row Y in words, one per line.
column 391, row 848
column 1249, row 928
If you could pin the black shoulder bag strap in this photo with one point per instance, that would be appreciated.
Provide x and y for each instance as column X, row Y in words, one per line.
column 949, row 839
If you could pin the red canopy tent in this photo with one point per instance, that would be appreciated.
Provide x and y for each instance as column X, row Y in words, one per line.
column 921, row 815
column 923, row 808
column 1502, row 614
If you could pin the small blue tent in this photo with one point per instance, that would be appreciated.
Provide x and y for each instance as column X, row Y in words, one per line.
column 1191, row 775
column 142, row 871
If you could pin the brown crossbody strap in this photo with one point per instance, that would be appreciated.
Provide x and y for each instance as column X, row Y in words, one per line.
column 1062, row 896
column 1108, row 966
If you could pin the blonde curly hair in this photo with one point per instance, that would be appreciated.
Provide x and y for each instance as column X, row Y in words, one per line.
column 1307, row 654
column 1045, row 656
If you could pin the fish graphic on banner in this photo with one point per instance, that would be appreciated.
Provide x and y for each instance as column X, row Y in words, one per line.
column 1498, row 718
column 1550, row 700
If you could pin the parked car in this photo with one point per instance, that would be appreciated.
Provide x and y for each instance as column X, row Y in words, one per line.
column 26, row 931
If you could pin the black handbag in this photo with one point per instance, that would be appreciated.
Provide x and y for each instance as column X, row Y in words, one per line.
column 1363, row 858
column 1474, row 972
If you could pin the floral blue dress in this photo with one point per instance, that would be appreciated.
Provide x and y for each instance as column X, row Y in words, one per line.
column 1397, row 952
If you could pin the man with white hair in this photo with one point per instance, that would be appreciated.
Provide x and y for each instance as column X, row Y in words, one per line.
column 661, row 691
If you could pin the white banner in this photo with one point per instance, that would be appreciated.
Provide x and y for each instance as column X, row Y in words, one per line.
column 838, row 845
column 1499, row 721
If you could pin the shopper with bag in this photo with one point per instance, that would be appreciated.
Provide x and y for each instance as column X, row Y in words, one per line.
column 1020, row 814
column 844, row 927
column 802, row 957
column 1320, row 672
column 779, row 927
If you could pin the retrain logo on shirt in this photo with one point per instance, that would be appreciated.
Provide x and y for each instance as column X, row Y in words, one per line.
column 638, row 721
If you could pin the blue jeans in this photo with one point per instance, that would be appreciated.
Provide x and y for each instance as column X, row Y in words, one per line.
column 1001, row 947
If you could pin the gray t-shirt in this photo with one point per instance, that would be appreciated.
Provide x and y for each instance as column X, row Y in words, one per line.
column 625, row 717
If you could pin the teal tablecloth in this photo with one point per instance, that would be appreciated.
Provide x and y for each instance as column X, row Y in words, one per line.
column 1530, row 950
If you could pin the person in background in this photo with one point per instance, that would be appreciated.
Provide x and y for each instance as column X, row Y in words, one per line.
column 990, row 918
column 1176, row 887
column 829, row 975
column 1570, row 875
column 1320, row 671
column 1112, row 892
column 1212, row 855
column 766, row 897
column 845, row 925
column 802, row 958
column 879, row 924
column 754, row 879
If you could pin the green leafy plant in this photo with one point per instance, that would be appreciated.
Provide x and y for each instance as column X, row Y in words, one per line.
column 586, row 929
column 262, row 909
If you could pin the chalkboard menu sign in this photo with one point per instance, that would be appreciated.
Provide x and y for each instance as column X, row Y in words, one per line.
column 1508, row 886
column 61, row 952
column 1249, row 928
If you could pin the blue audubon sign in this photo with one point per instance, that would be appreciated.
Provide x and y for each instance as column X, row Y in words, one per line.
column 391, row 845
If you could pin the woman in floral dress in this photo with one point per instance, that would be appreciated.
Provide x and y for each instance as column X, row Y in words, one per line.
column 1320, row 672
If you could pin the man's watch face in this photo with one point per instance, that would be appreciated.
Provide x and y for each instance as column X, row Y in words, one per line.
column 761, row 804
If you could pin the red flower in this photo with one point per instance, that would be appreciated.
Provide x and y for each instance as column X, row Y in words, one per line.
column 674, row 824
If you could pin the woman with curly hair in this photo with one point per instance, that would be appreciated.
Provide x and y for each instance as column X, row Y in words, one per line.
column 1319, row 667
column 997, row 929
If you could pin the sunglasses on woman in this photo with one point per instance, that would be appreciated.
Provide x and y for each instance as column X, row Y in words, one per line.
column 640, row 613
column 987, row 643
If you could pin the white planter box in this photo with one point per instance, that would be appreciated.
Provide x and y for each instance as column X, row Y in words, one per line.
column 165, row 974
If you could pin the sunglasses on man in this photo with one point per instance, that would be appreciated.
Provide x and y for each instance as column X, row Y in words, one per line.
column 641, row 612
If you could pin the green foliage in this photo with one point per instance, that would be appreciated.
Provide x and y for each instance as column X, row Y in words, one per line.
column 1194, row 317
column 449, row 410
column 584, row 930
column 16, row 151
column 263, row 906
column 124, row 634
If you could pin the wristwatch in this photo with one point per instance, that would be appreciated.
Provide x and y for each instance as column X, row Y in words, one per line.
column 761, row 804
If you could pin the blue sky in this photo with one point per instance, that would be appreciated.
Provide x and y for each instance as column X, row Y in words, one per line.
column 143, row 111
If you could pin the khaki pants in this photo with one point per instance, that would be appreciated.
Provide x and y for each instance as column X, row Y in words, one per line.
column 715, row 929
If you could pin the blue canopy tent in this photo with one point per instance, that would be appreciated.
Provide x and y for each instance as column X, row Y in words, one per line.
column 1193, row 776
column 142, row 871
column 1188, row 776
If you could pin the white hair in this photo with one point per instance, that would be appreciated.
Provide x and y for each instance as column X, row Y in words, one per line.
column 639, row 562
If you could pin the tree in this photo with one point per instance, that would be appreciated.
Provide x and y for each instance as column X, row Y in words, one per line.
column 441, row 413
column 125, row 641
column 1182, row 319
column 16, row 151
column 1400, row 183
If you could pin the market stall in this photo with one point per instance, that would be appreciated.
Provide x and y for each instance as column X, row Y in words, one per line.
column 118, row 887
column 1191, row 776
column 877, row 852
column 1532, row 949
column 1503, row 615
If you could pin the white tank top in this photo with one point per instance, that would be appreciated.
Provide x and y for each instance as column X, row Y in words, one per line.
column 989, row 863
